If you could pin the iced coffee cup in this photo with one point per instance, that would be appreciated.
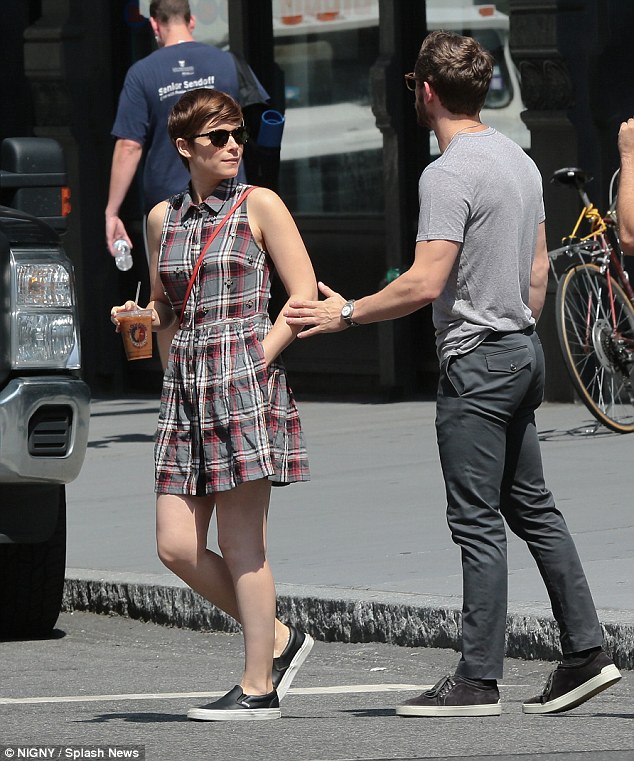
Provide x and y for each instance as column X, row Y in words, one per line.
column 136, row 329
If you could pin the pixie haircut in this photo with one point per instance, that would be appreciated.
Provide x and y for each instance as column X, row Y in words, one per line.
column 458, row 68
column 194, row 110
column 164, row 11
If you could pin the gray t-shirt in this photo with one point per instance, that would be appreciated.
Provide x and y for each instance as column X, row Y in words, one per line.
column 485, row 193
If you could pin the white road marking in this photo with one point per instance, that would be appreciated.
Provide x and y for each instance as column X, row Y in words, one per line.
column 336, row 690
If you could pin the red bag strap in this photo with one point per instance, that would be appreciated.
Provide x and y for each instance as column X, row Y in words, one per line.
column 199, row 261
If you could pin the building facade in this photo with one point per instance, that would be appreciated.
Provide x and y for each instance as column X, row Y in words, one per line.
column 351, row 153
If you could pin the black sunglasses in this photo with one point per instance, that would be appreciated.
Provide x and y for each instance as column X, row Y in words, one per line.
column 220, row 137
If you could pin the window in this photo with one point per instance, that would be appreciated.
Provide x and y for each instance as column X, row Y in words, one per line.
column 331, row 149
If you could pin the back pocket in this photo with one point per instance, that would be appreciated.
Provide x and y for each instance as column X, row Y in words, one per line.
column 509, row 360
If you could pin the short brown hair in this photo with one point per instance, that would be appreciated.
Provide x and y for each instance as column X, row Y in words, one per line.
column 164, row 11
column 458, row 68
column 193, row 110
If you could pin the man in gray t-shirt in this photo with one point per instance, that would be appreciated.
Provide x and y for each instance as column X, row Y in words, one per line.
column 487, row 288
column 481, row 259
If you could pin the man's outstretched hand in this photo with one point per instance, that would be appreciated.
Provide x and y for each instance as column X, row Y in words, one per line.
column 323, row 316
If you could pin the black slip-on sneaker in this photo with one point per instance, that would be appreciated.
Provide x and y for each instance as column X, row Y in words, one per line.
column 454, row 696
column 286, row 665
column 236, row 706
column 569, row 686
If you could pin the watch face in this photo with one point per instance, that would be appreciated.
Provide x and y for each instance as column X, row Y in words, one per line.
column 347, row 310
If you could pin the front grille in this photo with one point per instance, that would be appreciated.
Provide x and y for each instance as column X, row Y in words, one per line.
column 50, row 431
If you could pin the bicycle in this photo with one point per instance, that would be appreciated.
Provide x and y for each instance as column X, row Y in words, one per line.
column 595, row 310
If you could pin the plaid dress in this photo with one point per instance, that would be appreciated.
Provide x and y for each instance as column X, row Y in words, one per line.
column 225, row 418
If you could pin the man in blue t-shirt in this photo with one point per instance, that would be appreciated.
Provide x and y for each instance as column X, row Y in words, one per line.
column 152, row 86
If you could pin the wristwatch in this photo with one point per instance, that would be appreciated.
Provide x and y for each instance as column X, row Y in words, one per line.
column 347, row 312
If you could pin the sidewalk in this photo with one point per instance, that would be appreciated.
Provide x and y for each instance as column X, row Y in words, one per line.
column 362, row 552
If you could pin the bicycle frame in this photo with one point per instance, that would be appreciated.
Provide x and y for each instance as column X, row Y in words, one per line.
column 594, row 247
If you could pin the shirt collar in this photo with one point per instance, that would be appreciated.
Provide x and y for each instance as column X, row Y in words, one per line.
column 213, row 203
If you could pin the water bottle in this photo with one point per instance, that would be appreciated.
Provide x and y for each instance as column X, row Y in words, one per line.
column 123, row 257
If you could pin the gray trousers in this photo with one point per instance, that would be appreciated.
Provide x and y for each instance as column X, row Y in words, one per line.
column 491, row 462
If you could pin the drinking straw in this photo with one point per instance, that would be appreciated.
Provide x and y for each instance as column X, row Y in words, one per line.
column 138, row 291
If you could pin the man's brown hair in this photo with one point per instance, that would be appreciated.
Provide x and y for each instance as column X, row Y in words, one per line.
column 194, row 110
column 164, row 11
column 458, row 69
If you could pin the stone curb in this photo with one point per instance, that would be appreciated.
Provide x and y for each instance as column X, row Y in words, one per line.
column 336, row 615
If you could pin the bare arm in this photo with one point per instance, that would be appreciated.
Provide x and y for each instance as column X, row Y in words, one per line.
column 625, row 198
column 420, row 285
column 166, row 318
column 539, row 274
column 275, row 231
column 125, row 160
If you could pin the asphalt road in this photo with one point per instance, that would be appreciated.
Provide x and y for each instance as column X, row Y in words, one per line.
column 109, row 682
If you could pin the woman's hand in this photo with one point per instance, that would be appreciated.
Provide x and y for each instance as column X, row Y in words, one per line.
column 130, row 306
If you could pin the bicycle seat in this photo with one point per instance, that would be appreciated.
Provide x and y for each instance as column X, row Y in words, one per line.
column 571, row 175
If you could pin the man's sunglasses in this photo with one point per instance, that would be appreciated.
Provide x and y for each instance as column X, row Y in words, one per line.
column 220, row 137
column 410, row 81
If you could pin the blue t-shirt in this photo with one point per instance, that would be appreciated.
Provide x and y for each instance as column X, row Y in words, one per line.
column 152, row 86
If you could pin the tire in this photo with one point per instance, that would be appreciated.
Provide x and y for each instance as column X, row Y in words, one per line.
column 32, row 583
column 600, row 360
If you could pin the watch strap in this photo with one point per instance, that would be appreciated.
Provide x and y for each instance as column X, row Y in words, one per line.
column 348, row 308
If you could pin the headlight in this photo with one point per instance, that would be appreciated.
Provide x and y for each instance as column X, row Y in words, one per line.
column 44, row 319
column 41, row 285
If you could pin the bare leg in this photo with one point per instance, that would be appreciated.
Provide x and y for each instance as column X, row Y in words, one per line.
column 182, row 524
column 241, row 517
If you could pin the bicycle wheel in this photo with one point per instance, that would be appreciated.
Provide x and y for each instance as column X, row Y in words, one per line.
column 599, row 357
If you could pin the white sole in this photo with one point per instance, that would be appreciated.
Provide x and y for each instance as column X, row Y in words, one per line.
column 291, row 671
column 236, row 714
column 609, row 675
column 490, row 709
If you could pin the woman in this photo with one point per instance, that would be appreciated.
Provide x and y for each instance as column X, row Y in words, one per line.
column 228, row 427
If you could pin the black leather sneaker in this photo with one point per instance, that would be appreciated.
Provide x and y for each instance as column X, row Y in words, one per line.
column 286, row 665
column 454, row 696
column 236, row 706
column 569, row 686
